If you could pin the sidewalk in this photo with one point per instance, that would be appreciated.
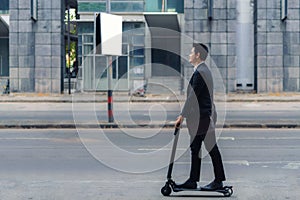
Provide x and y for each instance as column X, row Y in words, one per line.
column 124, row 97
column 280, row 105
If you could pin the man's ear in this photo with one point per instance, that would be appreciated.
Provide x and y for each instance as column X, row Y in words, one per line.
column 197, row 55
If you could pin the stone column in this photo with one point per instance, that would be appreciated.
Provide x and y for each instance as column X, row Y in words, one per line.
column 36, row 47
column 21, row 47
column 49, row 54
column 291, row 48
column 269, row 46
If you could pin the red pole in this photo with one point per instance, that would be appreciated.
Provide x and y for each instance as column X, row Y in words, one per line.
column 110, row 92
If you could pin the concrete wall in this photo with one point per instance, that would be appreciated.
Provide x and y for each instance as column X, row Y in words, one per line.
column 276, row 41
column 218, row 33
column 277, row 46
column 36, row 47
column 4, row 64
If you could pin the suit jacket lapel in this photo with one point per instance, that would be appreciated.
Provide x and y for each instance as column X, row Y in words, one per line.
column 190, row 84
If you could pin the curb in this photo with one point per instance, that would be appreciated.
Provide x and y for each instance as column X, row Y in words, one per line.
column 134, row 100
column 103, row 99
column 261, row 126
column 142, row 101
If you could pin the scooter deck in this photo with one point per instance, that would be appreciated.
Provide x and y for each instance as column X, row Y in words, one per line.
column 226, row 190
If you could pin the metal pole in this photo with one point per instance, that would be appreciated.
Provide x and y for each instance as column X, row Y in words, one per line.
column 69, row 49
column 110, row 92
column 1, row 65
column 109, row 80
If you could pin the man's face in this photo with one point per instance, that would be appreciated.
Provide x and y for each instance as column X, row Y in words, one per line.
column 193, row 58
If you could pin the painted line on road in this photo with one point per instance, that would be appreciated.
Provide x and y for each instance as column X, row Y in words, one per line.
column 273, row 162
column 227, row 138
column 269, row 138
column 179, row 149
column 231, row 162
column 293, row 165
column 22, row 138
column 161, row 149
column 65, row 140
column 220, row 138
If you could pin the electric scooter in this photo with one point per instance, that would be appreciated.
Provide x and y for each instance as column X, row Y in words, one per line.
column 170, row 185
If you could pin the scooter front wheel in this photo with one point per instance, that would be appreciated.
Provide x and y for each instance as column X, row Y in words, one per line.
column 166, row 190
column 229, row 192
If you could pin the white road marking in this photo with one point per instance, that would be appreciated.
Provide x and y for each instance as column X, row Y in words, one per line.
column 231, row 162
column 251, row 105
column 161, row 149
column 292, row 165
column 287, row 164
column 227, row 138
column 269, row 138
column 29, row 138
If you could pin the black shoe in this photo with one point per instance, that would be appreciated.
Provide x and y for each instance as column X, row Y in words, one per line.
column 189, row 184
column 214, row 185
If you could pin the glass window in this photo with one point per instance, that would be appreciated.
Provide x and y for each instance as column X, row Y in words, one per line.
column 130, row 6
column 80, row 60
column 153, row 5
column 92, row 7
column 137, row 51
column 139, row 25
column 79, row 50
column 136, row 61
column 120, row 66
column 175, row 6
column 87, row 27
column 87, row 49
column 80, row 40
column 172, row 6
column 138, row 39
column 88, row 68
column 88, row 39
column 125, row 37
column 123, row 65
column 4, row 6
column 124, row 49
column 4, row 57
column 100, row 65
column 134, row 25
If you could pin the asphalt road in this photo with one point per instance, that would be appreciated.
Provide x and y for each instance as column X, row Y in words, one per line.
column 147, row 113
column 261, row 164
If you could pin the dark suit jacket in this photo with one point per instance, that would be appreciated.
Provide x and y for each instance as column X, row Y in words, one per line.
column 199, row 103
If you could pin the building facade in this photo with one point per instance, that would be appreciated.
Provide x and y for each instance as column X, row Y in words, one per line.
column 140, row 63
column 36, row 46
column 255, row 44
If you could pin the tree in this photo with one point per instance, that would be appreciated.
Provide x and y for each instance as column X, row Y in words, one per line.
column 73, row 31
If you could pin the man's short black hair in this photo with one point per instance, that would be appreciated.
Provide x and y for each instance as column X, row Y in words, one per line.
column 202, row 49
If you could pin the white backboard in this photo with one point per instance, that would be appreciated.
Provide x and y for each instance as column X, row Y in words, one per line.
column 111, row 34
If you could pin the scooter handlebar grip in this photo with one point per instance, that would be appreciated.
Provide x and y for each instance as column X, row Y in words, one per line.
column 176, row 130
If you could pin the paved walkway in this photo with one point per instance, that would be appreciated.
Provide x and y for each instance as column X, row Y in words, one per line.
column 287, row 102
column 124, row 97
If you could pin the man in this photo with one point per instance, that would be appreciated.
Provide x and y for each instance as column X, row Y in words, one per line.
column 198, row 111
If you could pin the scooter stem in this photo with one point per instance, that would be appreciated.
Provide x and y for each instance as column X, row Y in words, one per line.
column 176, row 134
